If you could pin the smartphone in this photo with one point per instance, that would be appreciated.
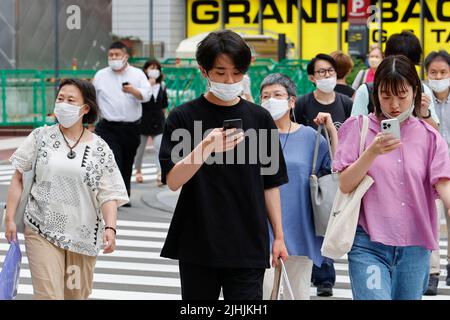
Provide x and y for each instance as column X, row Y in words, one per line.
column 232, row 123
column 391, row 126
column 125, row 84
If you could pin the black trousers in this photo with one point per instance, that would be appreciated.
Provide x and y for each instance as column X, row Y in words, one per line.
column 123, row 138
column 325, row 274
column 204, row 283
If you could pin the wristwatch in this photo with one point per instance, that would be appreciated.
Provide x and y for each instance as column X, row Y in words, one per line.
column 111, row 228
column 428, row 116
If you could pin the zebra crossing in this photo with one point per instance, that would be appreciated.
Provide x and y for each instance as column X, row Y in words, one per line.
column 135, row 271
column 149, row 173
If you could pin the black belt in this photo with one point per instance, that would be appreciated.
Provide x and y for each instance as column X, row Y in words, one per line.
column 122, row 123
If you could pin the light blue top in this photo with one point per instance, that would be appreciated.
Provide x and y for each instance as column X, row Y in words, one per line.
column 297, row 216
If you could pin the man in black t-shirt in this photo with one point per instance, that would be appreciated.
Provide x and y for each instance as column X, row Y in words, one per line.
column 219, row 230
column 322, row 72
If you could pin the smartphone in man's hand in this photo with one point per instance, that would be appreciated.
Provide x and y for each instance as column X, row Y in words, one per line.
column 232, row 124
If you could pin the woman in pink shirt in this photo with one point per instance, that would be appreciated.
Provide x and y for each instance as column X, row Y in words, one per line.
column 397, row 224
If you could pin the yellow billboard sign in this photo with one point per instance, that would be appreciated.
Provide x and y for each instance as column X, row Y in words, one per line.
column 319, row 24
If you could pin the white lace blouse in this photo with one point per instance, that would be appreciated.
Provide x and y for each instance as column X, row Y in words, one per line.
column 66, row 199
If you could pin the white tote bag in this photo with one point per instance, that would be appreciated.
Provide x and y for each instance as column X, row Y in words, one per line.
column 344, row 216
column 282, row 289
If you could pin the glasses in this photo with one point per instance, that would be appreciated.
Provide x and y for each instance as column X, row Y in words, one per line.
column 323, row 72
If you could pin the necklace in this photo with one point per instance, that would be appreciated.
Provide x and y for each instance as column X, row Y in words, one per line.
column 71, row 155
column 289, row 132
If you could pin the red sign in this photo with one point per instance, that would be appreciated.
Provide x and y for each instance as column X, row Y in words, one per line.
column 357, row 11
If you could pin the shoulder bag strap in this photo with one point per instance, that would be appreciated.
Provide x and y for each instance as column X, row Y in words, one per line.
column 363, row 134
column 316, row 148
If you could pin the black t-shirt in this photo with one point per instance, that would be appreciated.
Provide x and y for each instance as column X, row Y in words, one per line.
column 307, row 108
column 221, row 219
column 345, row 90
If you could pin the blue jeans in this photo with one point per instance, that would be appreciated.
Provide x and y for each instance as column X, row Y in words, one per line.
column 380, row 272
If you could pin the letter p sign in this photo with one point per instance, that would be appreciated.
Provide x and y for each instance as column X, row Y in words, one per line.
column 357, row 11
column 357, row 6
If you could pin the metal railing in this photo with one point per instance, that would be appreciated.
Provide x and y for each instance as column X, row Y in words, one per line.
column 27, row 96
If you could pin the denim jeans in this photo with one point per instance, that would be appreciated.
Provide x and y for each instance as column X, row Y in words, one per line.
column 381, row 272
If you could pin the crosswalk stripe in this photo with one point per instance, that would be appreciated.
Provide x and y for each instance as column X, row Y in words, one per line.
column 137, row 268
column 114, row 294
column 124, row 279
column 149, row 171
column 129, row 223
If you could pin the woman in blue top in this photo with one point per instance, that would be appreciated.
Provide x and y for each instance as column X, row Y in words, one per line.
column 278, row 96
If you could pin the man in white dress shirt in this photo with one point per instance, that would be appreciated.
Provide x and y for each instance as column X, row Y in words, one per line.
column 121, row 88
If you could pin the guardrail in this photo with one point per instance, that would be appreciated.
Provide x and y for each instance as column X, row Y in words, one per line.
column 27, row 96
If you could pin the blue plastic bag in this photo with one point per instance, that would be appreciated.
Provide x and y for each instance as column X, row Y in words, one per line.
column 9, row 276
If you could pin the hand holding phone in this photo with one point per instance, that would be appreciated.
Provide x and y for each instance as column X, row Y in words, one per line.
column 125, row 84
column 232, row 124
column 391, row 126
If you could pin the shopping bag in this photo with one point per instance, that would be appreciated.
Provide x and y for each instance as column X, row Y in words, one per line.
column 282, row 289
column 344, row 217
column 9, row 276
column 322, row 189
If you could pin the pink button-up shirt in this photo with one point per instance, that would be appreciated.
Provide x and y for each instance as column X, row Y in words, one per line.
column 399, row 209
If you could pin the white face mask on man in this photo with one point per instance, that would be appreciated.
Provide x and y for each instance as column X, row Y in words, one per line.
column 116, row 65
column 225, row 91
column 439, row 86
column 326, row 85
column 67, row 114
column 277, row 107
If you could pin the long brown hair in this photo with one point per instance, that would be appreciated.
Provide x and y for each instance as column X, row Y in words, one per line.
column 393, row 75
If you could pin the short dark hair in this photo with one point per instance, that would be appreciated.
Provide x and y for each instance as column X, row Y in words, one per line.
column 89, row 95
column 343, row 62
column 405, row 43
column 282, row 80
column 437, row 55
column 320, row 56
column 224, row 42
column 393, row 74
column 118, row 45
column 156, row 63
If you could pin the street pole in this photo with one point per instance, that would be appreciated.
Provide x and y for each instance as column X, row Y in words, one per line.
column 339, row 21
column 380, row 27
column 260, row 17
column 422, row 38
column 300, row 29
column 150, row 29
column 222, row 14
column 56, row 53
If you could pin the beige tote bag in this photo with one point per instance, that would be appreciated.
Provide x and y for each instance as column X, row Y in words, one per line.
column 344, row 216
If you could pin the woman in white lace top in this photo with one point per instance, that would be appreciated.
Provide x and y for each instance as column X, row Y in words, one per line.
column 72, row 209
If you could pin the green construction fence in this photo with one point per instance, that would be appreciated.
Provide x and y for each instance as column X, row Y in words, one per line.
column 27, row 96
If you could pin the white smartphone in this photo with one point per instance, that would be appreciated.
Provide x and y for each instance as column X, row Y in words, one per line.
column 391, row 126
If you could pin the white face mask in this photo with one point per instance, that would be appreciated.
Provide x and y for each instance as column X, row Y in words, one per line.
column 277, row 108
column 326, row 85
column 226, row 92
column 153, row 73
column 67, row 114
column 116, row 65
column 439, row 86
column 401, row 117
column 374, row 62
